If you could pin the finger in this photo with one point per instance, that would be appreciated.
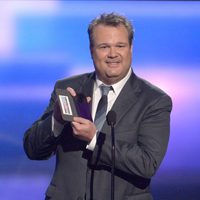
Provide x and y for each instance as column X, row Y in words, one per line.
column 77, row 128
column 74, row 125
column 71, row 91
column 80, row 120
column 89, row 99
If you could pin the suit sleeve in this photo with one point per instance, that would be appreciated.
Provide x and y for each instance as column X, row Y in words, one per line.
column 143, row 155
column 39, row 140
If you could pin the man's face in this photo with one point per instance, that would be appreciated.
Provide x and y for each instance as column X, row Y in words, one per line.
column 111, row 53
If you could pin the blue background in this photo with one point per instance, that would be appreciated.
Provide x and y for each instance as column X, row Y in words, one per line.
column 43, row 41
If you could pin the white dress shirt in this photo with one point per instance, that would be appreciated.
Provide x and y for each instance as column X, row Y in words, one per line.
column 112, row 96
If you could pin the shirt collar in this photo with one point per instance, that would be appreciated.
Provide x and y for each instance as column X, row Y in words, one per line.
column 117, row 86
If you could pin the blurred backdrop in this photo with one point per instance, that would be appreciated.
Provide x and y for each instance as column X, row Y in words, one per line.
column 42, row 41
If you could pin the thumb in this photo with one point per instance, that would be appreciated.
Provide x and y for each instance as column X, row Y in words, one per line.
column 71, row 91
column 88, row 99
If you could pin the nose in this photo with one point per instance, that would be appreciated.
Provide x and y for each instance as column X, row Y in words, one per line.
column 112, row 52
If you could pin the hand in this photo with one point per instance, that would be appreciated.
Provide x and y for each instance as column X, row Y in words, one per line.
column 83, row 129
column 73, row 93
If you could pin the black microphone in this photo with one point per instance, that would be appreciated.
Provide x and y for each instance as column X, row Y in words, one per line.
column 111, row 120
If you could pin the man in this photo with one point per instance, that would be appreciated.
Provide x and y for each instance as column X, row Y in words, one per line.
column 83, row 151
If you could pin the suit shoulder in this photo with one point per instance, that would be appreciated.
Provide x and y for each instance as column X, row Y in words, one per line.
column 152, row 95
column 73, row 80
column 151, row 90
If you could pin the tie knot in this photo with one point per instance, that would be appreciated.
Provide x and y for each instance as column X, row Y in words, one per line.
column 105, row 89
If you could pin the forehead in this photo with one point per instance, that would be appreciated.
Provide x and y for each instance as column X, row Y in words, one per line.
column 105, row 32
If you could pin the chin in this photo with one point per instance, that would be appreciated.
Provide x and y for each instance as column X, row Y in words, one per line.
column 112, row 75
column 111, row 79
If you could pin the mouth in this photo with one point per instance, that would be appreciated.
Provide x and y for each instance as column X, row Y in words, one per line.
column 113, row 63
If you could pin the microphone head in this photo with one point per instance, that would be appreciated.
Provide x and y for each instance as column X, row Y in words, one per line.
column 111, row 118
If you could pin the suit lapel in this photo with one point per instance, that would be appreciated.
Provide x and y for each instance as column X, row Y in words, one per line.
column 126, row 99
column 87, row 86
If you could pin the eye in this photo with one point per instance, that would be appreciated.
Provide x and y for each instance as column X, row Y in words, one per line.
column 103, row 47
column 120, row 46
